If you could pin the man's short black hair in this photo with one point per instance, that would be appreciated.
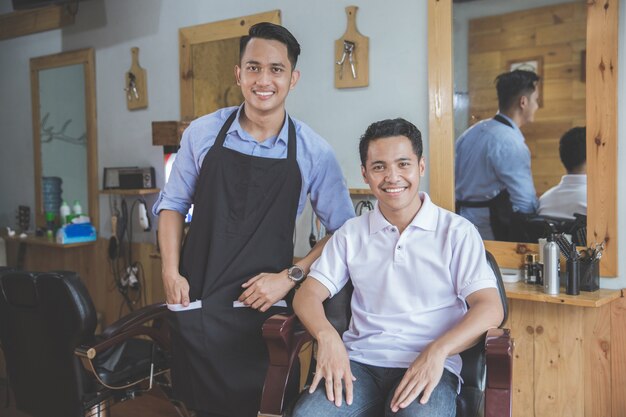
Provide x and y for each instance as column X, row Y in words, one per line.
column 512, row 85
column 573, row 148
column 388, row 128
column 272, row 32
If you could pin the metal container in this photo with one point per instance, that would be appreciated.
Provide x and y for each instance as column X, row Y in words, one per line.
column 551, row 279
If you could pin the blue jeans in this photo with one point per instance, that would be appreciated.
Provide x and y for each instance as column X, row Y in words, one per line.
column 372, row 393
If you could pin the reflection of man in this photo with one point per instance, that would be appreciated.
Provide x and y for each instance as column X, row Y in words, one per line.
column 570, row 195
column 412, row 265
column 492, row 166
column 248, row 171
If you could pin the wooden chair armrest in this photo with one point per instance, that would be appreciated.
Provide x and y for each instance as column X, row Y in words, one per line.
column 131, row 326
column 284, row 341
column 499, row 357
column 135, row 318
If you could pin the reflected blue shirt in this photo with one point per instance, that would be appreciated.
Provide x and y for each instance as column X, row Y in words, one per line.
column 491, row 156
column 321, row 175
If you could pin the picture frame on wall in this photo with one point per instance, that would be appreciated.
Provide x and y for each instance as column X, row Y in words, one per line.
column 534, row 64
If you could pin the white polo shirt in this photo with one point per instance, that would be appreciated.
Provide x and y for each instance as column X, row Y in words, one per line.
column 409, row 289
column 566, row 198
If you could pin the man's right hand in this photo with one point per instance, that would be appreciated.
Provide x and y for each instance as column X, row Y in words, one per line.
column 333, row 366
column 176, row 289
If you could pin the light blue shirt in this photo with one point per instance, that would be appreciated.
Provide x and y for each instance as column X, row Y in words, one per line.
column 320, row 171
column 409, row 288
column 491, row 156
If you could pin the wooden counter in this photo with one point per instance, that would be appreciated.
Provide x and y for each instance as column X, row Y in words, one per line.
column 44, row 241
column 530, row 292
column 570, row 351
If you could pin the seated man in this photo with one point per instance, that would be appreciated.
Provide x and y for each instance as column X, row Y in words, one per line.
column 570, row 195
column 413, row 265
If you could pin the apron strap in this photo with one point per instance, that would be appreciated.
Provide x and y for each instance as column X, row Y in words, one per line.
column 503, row 120
column 221, row 137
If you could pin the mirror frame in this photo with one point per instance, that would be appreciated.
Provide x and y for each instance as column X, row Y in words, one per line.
column 601, row 115
column 85, row 57
column 209, row 32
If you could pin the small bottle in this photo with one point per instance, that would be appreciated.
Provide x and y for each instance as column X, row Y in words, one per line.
column 65, row 211
column 530, row 275
column 551, row 280
column 77, row 209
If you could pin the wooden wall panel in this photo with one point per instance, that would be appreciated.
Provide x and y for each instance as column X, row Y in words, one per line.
column 556, row 34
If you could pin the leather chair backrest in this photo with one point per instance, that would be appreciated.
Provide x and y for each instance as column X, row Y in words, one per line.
column 43, row 318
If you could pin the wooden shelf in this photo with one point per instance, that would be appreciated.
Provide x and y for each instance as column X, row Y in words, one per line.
column 44, row 241
column 25, row 22
column 530, row 292
column 360, row 191
column 143, row 191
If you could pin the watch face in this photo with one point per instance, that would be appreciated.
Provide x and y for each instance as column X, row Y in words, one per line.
column 296, row 273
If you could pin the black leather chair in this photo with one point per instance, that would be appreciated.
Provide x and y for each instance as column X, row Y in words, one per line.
column 47, row 324
column 531, row 227
column 487, row 367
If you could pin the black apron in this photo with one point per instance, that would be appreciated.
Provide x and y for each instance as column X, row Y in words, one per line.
column 244, row 216
column 500, row 208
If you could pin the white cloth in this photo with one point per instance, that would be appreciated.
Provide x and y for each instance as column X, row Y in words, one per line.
column 566, row 198
column 408, row 289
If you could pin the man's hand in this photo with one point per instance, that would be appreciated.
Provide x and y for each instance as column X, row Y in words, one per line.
column 422, row 376
column 176, row 289
column 334, row 366
column 263, row 290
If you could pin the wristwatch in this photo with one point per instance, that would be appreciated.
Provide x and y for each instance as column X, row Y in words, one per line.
column 296, row 274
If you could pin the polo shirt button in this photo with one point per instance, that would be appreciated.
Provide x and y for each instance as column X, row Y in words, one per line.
column 393, row 229
column 399, row 247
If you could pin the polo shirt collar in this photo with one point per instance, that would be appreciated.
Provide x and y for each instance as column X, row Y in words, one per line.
column 283, row 135
column 426, row 217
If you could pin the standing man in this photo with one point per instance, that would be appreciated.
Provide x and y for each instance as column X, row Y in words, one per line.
column 492, row 164
column 413, row 265
column 248, row 171
column 570, row 195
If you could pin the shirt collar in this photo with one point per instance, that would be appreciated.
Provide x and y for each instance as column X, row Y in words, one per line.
column 426, row 217
column 574, row 179
column 283, row 135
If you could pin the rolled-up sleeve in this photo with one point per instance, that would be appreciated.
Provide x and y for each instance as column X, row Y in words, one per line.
column 177, row 194
column 329, row 193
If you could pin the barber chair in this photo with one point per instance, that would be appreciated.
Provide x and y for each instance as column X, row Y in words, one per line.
column 487, row 366
column 57, row 366
column 531, row 227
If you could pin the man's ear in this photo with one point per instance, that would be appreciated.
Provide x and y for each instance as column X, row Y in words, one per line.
column 422, row 166
column 237, row 74
column 363, row 174
column 295, row 76
column 523, row 101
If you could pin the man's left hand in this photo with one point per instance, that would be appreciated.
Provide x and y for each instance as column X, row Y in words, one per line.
column 263, row 290
column 420, row 378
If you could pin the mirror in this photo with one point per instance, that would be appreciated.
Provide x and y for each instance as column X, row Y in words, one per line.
column 548, row 39
column 64, row 133
column 601, row 122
